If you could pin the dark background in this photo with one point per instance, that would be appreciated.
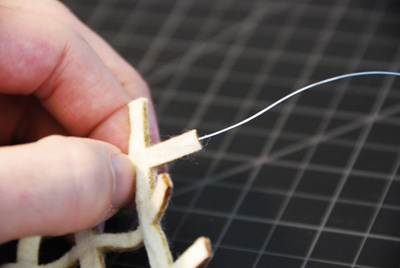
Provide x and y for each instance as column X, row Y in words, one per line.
column 313, row 183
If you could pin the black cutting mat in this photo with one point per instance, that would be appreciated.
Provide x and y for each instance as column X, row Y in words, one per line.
column 315, row 182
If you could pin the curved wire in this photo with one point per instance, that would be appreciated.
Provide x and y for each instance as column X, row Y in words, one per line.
column 294, row 94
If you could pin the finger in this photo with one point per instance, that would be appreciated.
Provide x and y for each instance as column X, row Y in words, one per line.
column 60, row 185
column 129, row 78
column 49, row 60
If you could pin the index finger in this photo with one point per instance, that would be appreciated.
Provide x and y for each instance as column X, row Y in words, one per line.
column 48, row 59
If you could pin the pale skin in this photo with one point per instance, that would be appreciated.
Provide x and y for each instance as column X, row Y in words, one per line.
column 59, row 77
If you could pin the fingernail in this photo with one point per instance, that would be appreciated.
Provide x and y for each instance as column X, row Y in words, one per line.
column 124, row 178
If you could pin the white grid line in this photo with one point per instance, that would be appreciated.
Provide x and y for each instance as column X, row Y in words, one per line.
column 243, row 35
column 206, row 47
column 387, row 85
column 134, row 18
column 248, row 165
column 180, row 74
column 378, row 208
column 353, row 157
column 334, row 15
column 259, row 80
column 172, row 22
column 284, row 223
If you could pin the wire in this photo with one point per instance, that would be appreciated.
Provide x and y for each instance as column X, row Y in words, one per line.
column 294, row 94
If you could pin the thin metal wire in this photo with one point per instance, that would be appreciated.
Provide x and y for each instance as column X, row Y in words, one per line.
column 294, row 94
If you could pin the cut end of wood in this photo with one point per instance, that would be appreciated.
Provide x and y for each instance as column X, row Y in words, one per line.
column 196, row 255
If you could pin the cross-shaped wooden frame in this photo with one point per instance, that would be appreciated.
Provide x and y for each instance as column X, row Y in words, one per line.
column 151, row 200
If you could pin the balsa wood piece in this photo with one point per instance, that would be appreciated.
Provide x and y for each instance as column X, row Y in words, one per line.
column 26, row 252
column 151, row 202
column 152, row 196
column 196, row 255
column 160, row 197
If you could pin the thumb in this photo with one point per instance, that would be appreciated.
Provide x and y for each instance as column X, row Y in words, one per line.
column 60, row 185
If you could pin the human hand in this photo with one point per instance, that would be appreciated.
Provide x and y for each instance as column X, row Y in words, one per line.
column 59, row 77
